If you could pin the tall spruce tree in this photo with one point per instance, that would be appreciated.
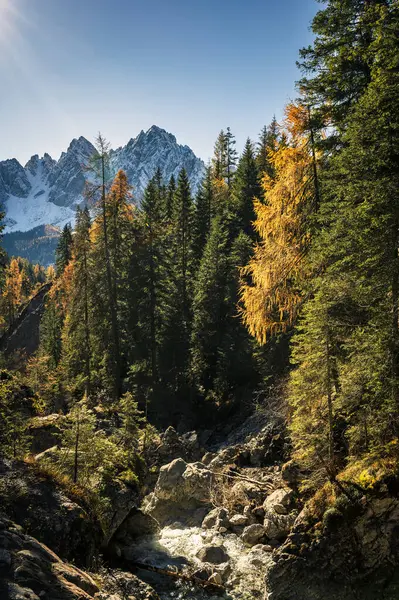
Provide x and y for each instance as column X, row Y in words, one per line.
column 209, row 308
column 77, row 347
column 204, row 211
column 266, row 145
column 63, row 252
column 246, row 189
column 178, row 287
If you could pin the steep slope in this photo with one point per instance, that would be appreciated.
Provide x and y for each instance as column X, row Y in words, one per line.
column 46, row 191
column 38, row 244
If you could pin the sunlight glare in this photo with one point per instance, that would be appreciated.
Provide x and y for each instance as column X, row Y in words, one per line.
column 8, row 15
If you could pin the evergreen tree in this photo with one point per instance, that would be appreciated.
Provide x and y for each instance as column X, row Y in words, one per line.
column 50, row 331
column 170, row 194
column 219, row 160
column 246, row 189
column 152, row 274
column 204, row 211
column 111, row 234
column 76, row 333
column 209, row 308
column 347, row 352
column 63, row 252
column 337, row 67
column 179, row 263
column 267, row 144
column 231, row 158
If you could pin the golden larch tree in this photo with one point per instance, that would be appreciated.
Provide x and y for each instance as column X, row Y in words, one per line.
column 271, row 282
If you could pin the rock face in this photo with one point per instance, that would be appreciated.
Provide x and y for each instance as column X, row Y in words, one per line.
column 31, row 571
column 44, row 510
column 23, row 336
column 47, row 191
column 13, row 180
column 349, row 558
column 182, row 493
column 152, row 149
column 173, row 445
column 66, row 179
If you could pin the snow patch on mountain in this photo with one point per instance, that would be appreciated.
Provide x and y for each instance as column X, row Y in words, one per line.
column 46, row 191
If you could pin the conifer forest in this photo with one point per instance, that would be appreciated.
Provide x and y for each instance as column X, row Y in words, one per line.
column 221, row 360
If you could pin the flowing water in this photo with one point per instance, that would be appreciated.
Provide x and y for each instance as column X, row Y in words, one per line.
column 175, row 549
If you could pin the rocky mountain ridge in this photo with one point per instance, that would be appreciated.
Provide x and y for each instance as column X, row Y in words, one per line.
column 46, row 191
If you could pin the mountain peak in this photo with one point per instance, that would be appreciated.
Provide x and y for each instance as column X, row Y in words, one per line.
column 80, row 144
column 47, row 191
column 155, row 131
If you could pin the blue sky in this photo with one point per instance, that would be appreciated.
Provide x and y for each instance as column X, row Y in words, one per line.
column 74, row 67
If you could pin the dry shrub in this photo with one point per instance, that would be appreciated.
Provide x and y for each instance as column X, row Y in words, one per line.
column 229, row 492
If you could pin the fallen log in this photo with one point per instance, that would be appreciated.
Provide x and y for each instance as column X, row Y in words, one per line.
column 131, row 565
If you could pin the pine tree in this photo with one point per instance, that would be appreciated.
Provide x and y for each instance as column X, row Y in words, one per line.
column 204, row 211
column 176, row 314
column 209, row 308
column 337, row 67
column 219, row 160
column 268, row 140
column 50, row 330
column 76, row 334
column 63, row 252
column 231, row 158
column 170, row 194
column 246, row 189
column 347, row 352
column 151, row 271
column 110, row 234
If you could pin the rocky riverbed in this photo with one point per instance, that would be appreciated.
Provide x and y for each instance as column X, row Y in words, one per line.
column 217, row 520
column 227, row 522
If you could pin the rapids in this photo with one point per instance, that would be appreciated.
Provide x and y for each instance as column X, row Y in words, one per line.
column 175, row 549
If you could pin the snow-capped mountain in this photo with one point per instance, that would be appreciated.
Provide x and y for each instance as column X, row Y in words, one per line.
column 46, row 191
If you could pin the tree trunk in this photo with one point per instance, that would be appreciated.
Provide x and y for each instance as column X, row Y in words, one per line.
column 329, row 404
column 75, row 466
column 112, row 303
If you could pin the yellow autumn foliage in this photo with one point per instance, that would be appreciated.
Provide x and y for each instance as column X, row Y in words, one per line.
column 270, row 290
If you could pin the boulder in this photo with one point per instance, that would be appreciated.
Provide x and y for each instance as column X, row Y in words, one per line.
column 208, row 458
column 137, row 524
column 182, row 493
column 250, row 515
column 123, row 501
column 173, row 445
column 279, row 501
column 238, row 521
column 213, row 554
column 119, row 585
column 216, row 518
column 277, row 526
column 252, row 534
